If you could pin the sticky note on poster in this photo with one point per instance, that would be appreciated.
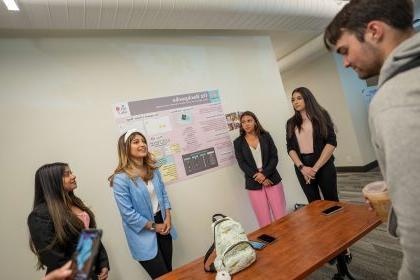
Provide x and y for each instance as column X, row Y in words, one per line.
column 168, row 168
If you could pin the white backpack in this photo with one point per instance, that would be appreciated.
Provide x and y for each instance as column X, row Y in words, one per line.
column 233, row 250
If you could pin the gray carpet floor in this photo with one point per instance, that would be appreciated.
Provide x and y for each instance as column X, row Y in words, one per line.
column 377, row 256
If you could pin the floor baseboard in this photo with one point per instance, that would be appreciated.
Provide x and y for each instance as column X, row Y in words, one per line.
column 364, row 168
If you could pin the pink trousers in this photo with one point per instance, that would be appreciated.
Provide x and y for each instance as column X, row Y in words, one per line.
column 267, row 201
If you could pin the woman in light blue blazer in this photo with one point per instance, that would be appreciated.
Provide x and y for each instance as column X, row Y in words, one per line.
column 143, row 204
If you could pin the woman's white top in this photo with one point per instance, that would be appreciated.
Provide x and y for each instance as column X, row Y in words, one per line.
column 256, row 153
column 153, row 196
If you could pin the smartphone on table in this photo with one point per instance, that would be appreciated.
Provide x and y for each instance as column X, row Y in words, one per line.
column 332, row 210
column 266, row 238
column 257, row 245
column 83, row 260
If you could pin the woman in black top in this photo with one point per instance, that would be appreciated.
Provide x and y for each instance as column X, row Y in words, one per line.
column 311, row 141
column 257, row 157
column 58, row 217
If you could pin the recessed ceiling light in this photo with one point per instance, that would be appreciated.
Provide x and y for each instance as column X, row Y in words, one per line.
column 11, row 5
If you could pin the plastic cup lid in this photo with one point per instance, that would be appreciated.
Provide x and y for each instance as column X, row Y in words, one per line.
column 375, row 187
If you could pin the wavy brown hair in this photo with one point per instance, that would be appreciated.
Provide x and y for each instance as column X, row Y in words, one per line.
column 127, row 164
column 49, row 190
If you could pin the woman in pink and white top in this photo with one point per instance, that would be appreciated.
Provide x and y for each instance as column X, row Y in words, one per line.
column 257, row 157
column 58, row 217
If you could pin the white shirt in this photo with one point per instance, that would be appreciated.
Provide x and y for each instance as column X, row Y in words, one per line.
column 256, row 153
column 153, row 196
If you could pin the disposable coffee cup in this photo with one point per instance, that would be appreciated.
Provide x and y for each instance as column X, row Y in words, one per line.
column 377, row 193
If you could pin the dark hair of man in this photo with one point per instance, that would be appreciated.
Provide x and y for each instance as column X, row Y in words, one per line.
column 321, row 121
column 258, row 127
column 355, row 16
column 49, row 189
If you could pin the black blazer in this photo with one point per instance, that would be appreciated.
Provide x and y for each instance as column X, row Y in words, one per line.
column 42, row 232
column 247, row 163
column 319, row 142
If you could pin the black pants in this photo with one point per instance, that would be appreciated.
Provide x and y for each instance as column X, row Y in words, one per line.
column 162, row 263
column 325, row 179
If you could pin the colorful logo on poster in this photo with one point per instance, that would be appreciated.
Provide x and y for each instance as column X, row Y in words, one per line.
column 214, row 96
column 121, row 110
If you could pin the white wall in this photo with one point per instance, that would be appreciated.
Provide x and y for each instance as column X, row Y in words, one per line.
column 55, row 105
column 321, row 77
column 352, row 88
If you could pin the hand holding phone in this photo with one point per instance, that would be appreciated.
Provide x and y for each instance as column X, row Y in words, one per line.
column 85, row 255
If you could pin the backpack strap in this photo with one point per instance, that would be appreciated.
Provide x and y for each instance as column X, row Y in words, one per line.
column 408, row 66
column 212, row 247
column 213, row 219
column 206, row 257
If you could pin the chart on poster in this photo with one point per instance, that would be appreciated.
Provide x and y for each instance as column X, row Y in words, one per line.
column 187, row 134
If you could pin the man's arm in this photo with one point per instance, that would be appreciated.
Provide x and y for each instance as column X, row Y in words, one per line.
column 397, row 131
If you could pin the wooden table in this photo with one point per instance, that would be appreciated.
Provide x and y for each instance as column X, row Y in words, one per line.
column 306, row 240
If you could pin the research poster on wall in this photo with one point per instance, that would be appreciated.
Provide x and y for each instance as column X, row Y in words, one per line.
column 187, row 134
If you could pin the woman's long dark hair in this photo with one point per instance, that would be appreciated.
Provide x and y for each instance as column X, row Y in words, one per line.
column 321, row 120
column 258, row 127
column 49, row 190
